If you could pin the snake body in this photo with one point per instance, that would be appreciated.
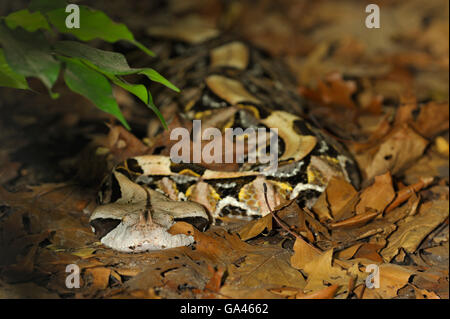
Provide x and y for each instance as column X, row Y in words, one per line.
column 236, row 86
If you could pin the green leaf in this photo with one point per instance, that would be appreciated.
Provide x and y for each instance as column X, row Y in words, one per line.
column 46, row 5
column 156, row 77
column 142, row 93
column 108, row 62
column 93, row 85
column 29, row 54
column 29, row 21
column 105, row 60
column 153, row 107
column 8, row 77
column 138, row 90
column 94, row 24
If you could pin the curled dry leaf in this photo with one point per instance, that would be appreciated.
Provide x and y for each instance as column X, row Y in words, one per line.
column 405, row 193
column 356, row 221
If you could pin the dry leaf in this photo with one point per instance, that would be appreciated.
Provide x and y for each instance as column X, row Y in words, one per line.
column 377, row 196
column 397, row 150
column 255, row 227
column 321, row 272
column 392, row 278
column 410, row 234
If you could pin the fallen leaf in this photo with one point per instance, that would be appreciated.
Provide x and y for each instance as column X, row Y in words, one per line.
column 97, row 278
column 392, row 278
column 255, row 227
column 410, row 234
column 396, row 152
column 321, row 272
column 377, row 196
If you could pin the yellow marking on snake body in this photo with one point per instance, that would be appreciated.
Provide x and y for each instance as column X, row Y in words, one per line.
column 188, row 171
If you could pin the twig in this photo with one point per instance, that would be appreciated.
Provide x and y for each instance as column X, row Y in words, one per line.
column 279, row 221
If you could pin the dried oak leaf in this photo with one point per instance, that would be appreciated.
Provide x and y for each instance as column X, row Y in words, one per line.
column 338, row 199
column 377, row 196
column 426, row 123
column 321, row 273
column 392, row 278
column 401, row 147
column 264, row 268
column 303, row 253
column 410, row 234
column 255, row 227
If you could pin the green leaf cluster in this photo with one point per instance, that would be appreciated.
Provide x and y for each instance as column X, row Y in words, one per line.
column 30, row 49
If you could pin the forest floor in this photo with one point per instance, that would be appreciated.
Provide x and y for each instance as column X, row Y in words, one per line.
column 385, row 93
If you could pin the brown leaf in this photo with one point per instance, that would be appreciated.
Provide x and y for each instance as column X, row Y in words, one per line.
column 332, row 91
column 255, row 227
column 424, row 294
column 410, row 234
column 428, row 124
column 392, row 278
column 355, row 221
column 395, row 152
column 321, row 271
column 369, row 251
column 348, row 252
column 98, row 277
column 123, row 144
column 303, row 253
column 339, row 193
column 377, row 196
column 325, row 293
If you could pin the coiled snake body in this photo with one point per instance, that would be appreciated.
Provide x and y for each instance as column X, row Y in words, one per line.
column 236, row 87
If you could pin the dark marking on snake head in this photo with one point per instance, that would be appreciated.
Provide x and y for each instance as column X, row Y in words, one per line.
column 102, row 226
column 198, row 222
column 134, row 166
column 116, row 193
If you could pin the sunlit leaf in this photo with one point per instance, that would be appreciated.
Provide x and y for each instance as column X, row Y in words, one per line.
column 29, row 21
column 8, row 77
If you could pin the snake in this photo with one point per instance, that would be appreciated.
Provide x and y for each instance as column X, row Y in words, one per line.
column 225, row 84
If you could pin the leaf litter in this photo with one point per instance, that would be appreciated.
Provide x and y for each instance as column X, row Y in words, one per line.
column 382, row 96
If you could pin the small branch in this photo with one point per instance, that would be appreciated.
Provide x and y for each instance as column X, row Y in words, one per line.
column 278, row 220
